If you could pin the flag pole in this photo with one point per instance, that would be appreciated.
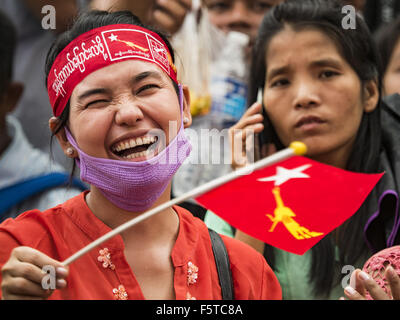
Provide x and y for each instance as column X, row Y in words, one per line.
column 295, row 148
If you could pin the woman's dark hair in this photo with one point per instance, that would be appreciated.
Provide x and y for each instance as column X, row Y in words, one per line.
column 8, row 36
column 386, row 39
column 357, row 48
column 85, row 22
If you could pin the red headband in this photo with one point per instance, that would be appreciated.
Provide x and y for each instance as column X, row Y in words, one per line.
column 99, row 48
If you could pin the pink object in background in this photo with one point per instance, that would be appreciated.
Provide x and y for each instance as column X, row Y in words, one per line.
column 377, row 264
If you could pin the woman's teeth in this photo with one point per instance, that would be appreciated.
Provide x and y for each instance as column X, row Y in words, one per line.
column 138, row 154
column 132, row 143
column 135, row 147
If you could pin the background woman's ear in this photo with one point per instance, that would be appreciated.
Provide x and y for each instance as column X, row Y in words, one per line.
column 371, row 96
column 187, row 116
column 61, row 136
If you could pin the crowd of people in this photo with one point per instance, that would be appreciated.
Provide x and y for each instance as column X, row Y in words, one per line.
column 119, row 83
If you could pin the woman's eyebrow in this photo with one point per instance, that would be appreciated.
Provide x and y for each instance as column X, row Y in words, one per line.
column 136, row 79
column 145, row 75
column 328, row 62
column 277, row 71
column 92, row 92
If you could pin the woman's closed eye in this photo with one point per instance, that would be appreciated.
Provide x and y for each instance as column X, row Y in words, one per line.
column 96, row 103
column 147, row 88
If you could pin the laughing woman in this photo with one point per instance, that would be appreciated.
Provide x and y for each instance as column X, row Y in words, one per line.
column 112, row 85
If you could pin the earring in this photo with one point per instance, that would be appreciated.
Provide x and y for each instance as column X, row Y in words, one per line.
column 185, row 120
column 70, row 151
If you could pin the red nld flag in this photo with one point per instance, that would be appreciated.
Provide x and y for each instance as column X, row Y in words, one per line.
column 293, row 204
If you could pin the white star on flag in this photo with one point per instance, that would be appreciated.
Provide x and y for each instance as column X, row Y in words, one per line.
column 113, row 37
column 283, row 175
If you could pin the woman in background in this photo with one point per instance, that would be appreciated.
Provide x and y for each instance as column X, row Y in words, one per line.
column 321, row 85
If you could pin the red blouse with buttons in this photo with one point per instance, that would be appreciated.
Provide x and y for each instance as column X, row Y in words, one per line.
column 104, row 272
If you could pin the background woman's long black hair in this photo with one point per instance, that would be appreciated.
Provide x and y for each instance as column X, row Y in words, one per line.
column 357, row 47
column 386, row 39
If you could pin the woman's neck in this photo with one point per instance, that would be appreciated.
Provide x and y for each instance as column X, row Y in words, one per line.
column 161, row 225
column 337, row 158
column 338, row 162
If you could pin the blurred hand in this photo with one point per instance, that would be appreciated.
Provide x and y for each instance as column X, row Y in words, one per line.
column 140, row 8
column 165, row 15
column 242, row 134
column 22, row 275
column 168, row 15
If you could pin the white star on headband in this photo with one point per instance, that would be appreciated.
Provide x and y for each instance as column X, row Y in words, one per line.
column 113, row 37
column 158, row 50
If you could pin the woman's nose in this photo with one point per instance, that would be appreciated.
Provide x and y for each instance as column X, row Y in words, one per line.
column 128, row 113
column 239, row 16
column 306, row 96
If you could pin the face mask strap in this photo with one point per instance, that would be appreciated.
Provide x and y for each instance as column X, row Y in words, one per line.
column 181, row 102
column 180, row 96
column 72, row 141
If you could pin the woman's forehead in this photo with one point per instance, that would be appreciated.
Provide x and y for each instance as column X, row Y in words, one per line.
column 289, row 45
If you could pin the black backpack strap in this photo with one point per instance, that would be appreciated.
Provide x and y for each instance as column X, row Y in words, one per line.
column 223, row 266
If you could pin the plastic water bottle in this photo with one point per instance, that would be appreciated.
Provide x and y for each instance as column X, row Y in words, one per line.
column 228, row 85
column 228, row 91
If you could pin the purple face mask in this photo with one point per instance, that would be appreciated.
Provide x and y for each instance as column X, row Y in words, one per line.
column 134, row 186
